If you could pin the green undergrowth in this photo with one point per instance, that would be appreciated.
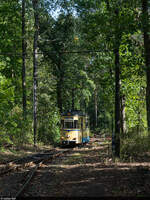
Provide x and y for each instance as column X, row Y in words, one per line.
column 14, row 152
column 134, row 145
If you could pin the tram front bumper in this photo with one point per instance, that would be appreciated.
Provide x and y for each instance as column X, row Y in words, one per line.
column 70, row 142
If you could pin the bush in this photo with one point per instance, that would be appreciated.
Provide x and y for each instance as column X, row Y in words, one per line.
column 49, row 128
column 15, row 130
column 134, row 145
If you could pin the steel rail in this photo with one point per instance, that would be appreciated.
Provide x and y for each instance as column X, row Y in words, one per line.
column 12, row 164
column 27, row 181
column 33, row 171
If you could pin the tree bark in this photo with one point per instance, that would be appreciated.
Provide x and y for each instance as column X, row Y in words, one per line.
column 95, row 100
column 59, row 95
column 73, row 96
column 123, row 121
column 23, row 61
column 118, row 35
column 146, row 31
column 117, row 103
column 59, row 85
column 35, row 66
column 112, row 123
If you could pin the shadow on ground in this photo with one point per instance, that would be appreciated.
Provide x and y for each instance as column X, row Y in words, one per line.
column 91, row 173
column 88, row 172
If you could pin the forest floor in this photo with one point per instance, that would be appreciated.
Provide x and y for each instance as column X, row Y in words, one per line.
column 11, row 152
column 89, row 171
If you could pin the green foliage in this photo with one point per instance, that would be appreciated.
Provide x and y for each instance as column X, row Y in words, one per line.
column 48, row 115
column 134, row 145
column 80, row 25
column 15, row 130
column 49, row 128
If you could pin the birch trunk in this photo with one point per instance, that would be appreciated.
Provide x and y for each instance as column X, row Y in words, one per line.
column 123, row 115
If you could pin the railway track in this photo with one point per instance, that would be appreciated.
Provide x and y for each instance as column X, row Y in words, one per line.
column 33, row 163
column 16, row 164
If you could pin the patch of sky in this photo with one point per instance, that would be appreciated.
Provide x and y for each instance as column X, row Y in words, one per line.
column 55, row 8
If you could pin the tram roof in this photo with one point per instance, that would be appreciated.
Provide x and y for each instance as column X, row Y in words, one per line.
column 73, row 112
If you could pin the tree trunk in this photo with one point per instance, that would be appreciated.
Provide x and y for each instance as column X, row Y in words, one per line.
column 35, row 65
column 112, row 122
column 95, row 100
column 59, row 95
column 118, row 35
column 59, row 85
column 147, row 57
column 117, row 103
column 23, row 61
column 73, row 96
column 123, row 122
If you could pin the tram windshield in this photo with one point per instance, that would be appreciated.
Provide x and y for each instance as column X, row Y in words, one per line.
column 69, row 123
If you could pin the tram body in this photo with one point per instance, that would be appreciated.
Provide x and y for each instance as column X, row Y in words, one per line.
column 74, row 128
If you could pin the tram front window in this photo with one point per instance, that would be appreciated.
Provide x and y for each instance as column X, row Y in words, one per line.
column 71, row 124
column 68, row 124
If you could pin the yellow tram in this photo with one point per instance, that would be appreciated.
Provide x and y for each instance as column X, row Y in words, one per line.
column 74, row 128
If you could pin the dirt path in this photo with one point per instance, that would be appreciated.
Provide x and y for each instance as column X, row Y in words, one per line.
column 90, row 172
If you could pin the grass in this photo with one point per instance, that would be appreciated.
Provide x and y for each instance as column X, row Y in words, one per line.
column 7, row 154
column 75, row 158
column 134, row 146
